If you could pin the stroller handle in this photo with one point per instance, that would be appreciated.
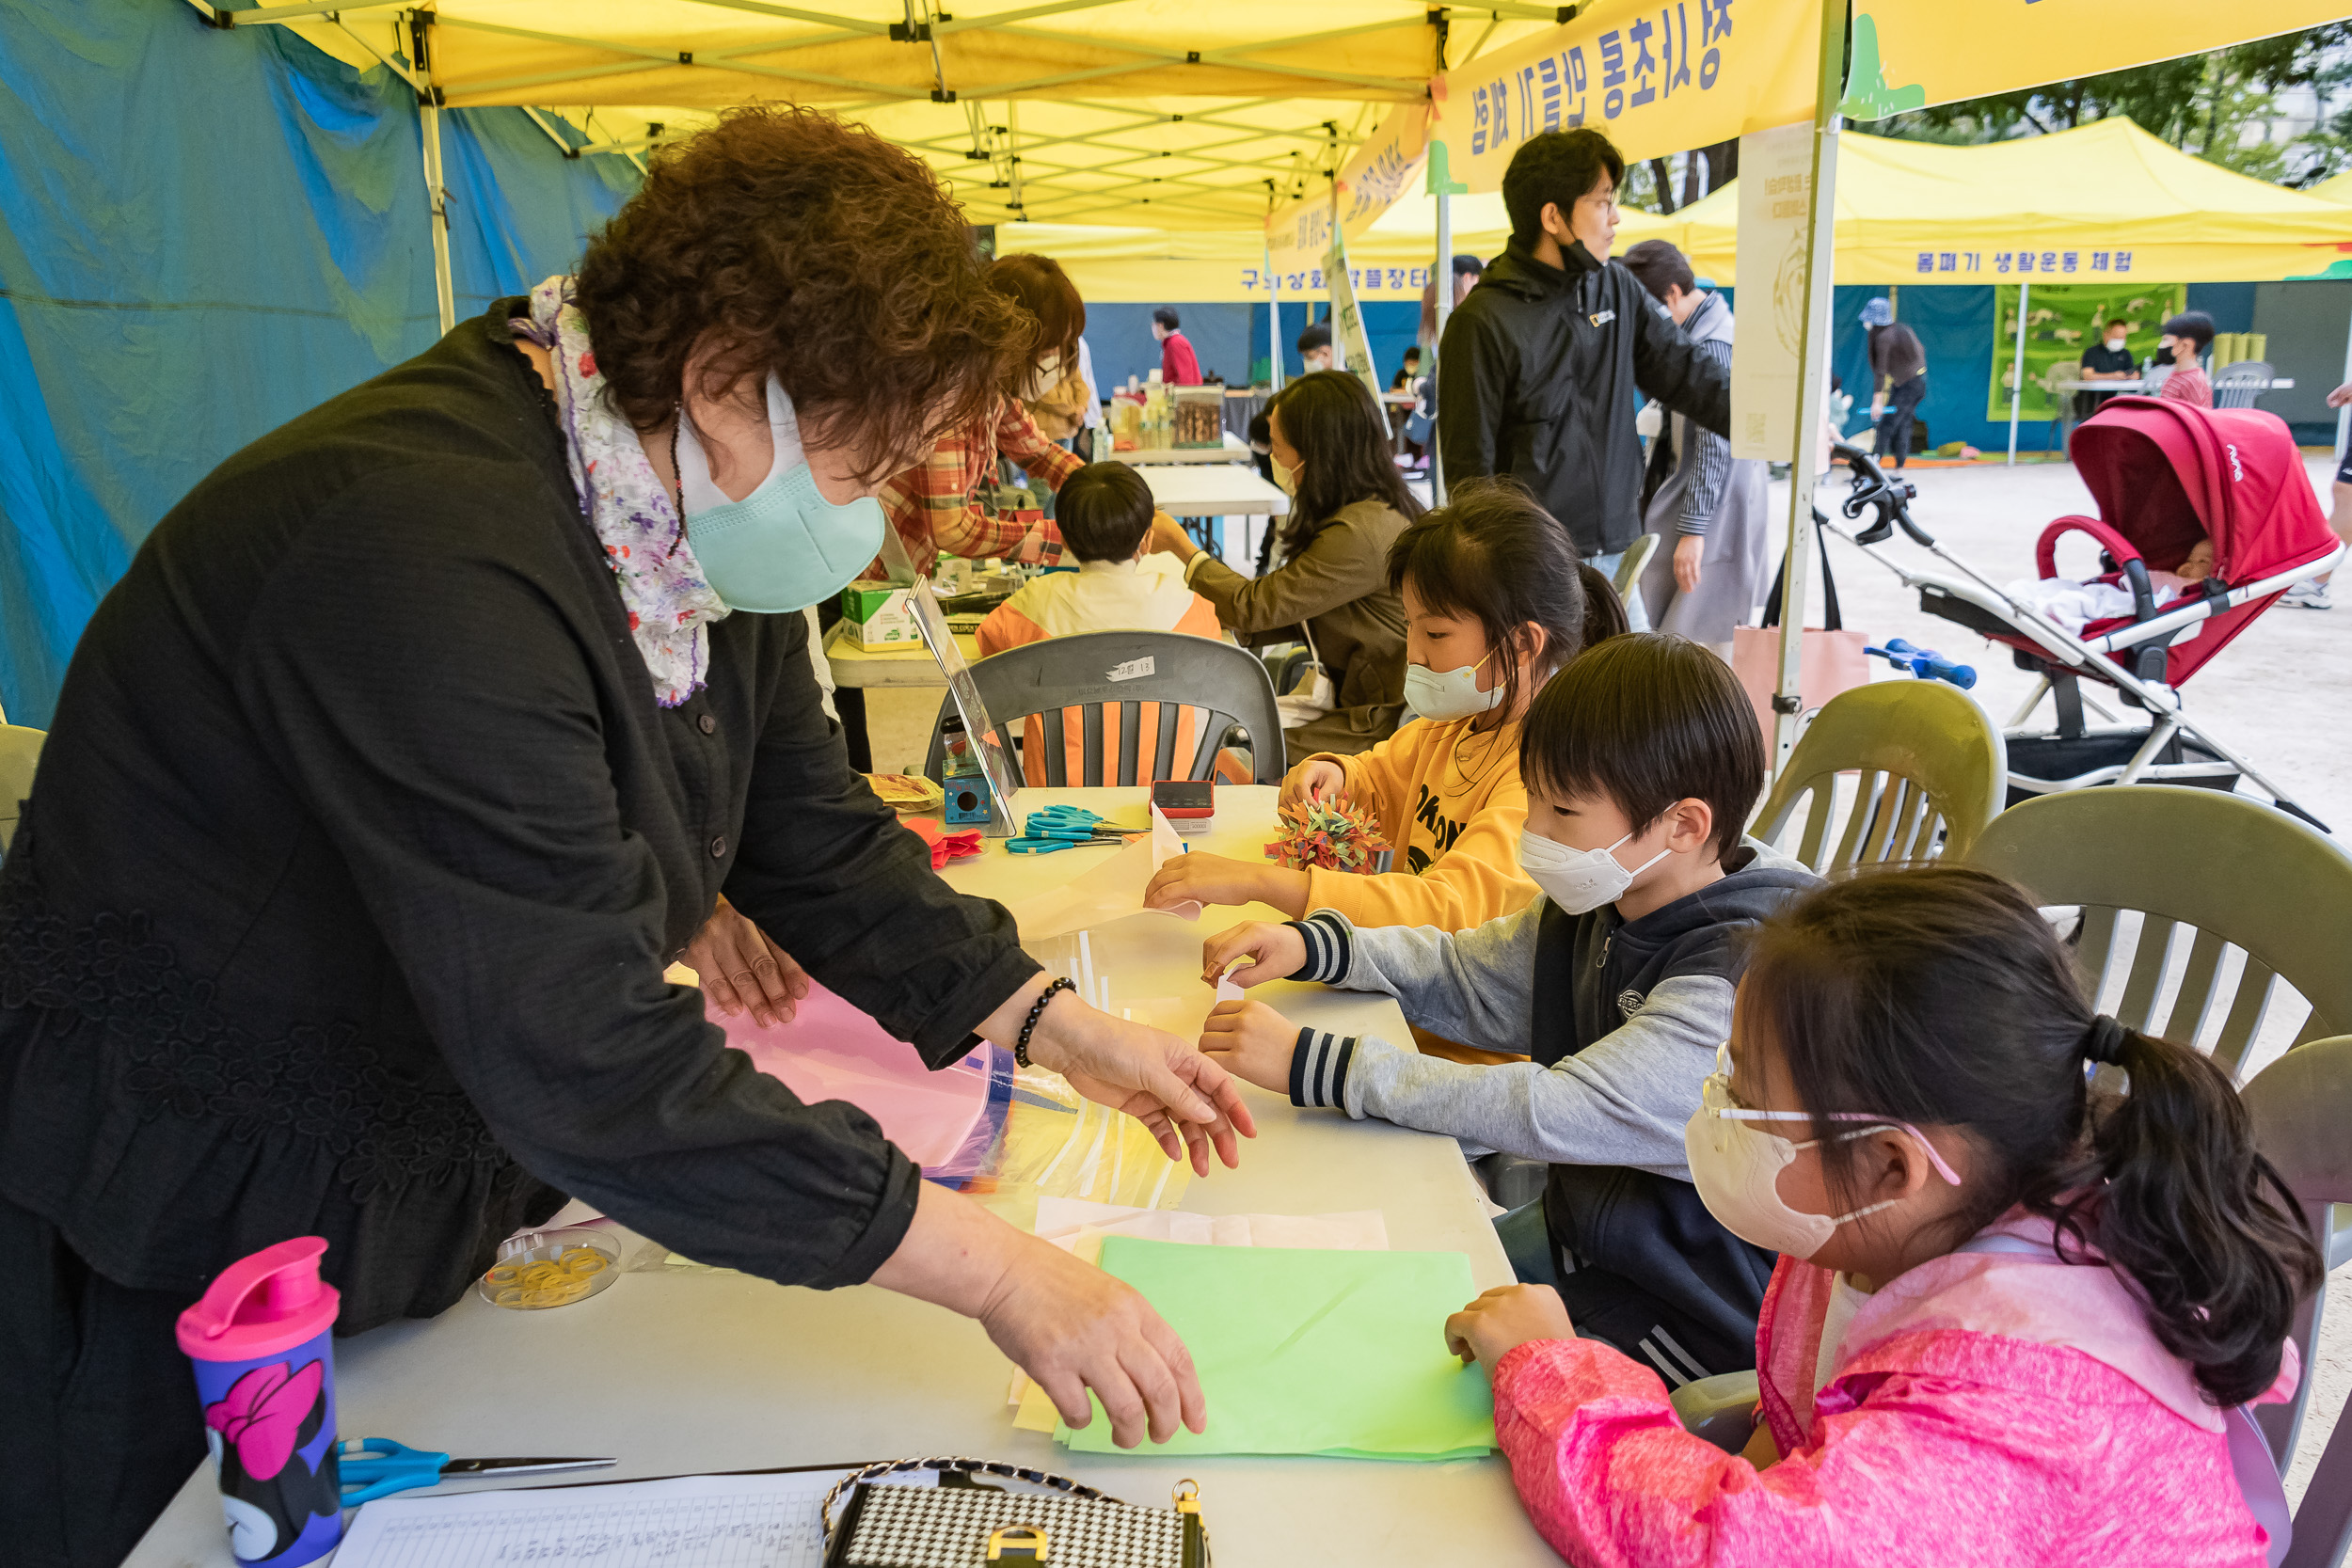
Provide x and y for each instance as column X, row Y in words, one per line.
column 1874, row 492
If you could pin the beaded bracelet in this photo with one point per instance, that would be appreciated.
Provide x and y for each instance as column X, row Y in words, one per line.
column 1020, row 1047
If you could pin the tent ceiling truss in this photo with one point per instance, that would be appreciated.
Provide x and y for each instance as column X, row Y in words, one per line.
column 1216, row 173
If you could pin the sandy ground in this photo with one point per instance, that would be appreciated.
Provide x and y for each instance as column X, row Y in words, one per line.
column 2277, row 696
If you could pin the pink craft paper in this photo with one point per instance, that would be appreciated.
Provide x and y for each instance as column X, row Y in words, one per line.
column 830, row 1050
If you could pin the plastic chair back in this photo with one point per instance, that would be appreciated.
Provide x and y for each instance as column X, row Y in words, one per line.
column 1929, row 762
column 1069, row 679
column 2301, row 1105
column 20, row 754
column 1631, row 566
column 2237, row 386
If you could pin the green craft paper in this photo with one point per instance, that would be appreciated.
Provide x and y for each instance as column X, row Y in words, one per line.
column 1312, row 1351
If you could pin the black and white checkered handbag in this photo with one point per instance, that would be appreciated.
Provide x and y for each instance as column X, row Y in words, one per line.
column 963, row 1523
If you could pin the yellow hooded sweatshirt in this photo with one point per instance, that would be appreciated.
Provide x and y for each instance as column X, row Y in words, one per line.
column 1450, row 800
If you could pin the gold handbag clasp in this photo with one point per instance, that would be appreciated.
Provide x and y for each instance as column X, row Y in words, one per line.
column 1017, row 1543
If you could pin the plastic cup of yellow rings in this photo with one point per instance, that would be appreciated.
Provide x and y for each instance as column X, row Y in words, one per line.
column 539, row 1269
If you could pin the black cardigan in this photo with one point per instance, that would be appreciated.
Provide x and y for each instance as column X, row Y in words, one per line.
column 356, row 853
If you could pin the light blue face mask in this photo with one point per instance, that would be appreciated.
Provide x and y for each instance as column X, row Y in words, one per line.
column 784, row 547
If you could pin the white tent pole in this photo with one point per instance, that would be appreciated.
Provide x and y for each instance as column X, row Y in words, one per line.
column 2017, row 367
column 1820, row 222
column 1443, row 294
column 435, row 189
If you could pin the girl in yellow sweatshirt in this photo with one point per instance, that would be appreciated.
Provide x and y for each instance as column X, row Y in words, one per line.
column 1496, row 601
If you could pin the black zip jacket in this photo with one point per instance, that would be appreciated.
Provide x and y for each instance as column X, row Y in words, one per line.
column 1540, row 374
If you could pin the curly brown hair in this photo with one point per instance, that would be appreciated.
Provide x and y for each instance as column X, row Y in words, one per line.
column 813, row 249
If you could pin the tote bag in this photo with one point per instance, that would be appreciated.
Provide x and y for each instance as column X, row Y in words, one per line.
column 1830, row 659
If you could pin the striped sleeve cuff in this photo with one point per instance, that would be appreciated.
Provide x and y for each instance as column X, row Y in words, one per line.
column 1319, row 1069
column 1326, row 935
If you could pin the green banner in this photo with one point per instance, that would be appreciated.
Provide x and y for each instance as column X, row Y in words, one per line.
column 2062, row 320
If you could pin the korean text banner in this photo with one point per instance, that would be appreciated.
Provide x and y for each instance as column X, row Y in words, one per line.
column 1660, row 79
column 1382, row 169
column 1912, row 53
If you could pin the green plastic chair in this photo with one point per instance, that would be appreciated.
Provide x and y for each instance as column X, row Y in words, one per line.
column 2301, row 1105
column 20, row 754
column 1929, row 763
column 1632, row 565
column 2222, row 871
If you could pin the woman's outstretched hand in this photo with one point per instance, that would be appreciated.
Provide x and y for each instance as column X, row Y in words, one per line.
column 741, row 970
column 1189, row 1103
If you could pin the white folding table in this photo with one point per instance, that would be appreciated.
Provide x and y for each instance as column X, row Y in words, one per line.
column 683, row 1372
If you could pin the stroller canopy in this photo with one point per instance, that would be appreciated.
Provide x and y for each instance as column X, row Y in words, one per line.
column 2165, row 473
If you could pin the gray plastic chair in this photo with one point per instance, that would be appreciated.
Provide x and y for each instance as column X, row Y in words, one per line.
column 20, row 754
column 1128, row 668
column 2237, row 386
column 2301, row 1105
column 2229, row 871
column 1930, row 762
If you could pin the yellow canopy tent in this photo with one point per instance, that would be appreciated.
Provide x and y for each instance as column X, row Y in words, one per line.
column 2085, row 205
column 2338, row 189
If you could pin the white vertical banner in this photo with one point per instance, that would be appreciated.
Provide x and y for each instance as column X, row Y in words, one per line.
column 1775, row 195
column 1348, row 337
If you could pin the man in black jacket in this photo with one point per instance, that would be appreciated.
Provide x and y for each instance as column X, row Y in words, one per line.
column 1539, row 371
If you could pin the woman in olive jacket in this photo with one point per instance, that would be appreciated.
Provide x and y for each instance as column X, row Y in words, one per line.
column 1331, row 454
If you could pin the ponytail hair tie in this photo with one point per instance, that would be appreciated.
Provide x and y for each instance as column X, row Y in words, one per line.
column 2104, row 1040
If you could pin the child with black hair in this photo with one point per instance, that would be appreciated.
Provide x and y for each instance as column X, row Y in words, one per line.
column 2181, row 349
column 2020, row 1306
column 1494, row 602
column 1104, row 512
column 1641, row 762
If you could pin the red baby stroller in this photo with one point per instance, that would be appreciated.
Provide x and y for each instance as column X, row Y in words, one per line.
column 2164, row 474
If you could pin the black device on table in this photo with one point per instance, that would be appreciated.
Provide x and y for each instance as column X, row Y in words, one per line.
column 1178, row 798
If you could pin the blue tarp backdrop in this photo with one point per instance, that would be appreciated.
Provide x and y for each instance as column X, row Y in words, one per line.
column 202, row 234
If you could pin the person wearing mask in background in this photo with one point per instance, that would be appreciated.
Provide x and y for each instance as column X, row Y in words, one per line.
column 2182, row 350
column 2314, row 594
column 2109, row 359
column 1315, row 347
column 1420, row 426
column 936, row 507
column 1899, row 379
column 1543, row 366
column 1407, row 379
column 1709, row 508
column 1070, row 411
column 1179, row 365
column 1330, row 453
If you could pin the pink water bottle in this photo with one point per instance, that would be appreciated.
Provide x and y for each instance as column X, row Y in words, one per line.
column 262, row 1340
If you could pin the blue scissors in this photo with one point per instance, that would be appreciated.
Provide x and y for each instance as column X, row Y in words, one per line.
column 376, row 1468
column 1054, row 828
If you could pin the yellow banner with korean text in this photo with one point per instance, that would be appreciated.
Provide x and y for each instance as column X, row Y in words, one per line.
column 1655, row 78
column 1914, row 53
column 1387, row 165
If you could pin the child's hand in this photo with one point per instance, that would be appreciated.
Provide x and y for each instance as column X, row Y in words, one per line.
column 1206, row 878
column 1275, row 952
column 1314, row 779
column 1252, row 1040
column 1503, row 1320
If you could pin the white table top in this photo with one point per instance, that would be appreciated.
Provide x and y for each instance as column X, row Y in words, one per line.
column 913, row 665
column 2132, row 385
column 1235, row 450
column 1213, row 490
column 679, row 1374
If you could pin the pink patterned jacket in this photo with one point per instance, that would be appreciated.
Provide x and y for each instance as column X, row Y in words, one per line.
column 1984, row 1410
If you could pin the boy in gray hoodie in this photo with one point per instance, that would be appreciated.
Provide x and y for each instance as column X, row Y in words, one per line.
column 1643, row 761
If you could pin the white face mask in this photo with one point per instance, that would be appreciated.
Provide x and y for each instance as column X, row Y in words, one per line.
column 1579, row 880
column 1737, row 1167
column 1043, row 379
column 1449, row 693
column 1285, row 477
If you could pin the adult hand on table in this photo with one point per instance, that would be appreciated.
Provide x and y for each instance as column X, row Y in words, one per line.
column 1316, row 778
column 1188, row 1101
column 1070, row 1326
column 1504, row 1318
column 1688, row 550
column 740, row 968
column 1167, row 534
column 1203, row 878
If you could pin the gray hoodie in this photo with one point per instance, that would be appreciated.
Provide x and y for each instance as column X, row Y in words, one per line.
column 1622, row 1019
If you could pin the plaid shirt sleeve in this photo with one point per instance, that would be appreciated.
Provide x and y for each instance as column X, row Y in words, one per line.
column 932, row 506
column 1018, row 438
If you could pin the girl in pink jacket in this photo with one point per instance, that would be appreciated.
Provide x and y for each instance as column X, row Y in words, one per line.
column 2031, row 1270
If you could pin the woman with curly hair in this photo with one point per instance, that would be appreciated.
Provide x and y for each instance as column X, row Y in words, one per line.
column 418, row 739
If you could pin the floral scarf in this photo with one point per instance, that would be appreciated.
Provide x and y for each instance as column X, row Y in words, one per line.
column 634, row 517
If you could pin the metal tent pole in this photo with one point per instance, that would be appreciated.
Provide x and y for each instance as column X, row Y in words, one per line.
column 1273, row 324
column 436, row 188
column 2344, row 414
column 1442, row 291
column 2017, row 367
column 1820, row 222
